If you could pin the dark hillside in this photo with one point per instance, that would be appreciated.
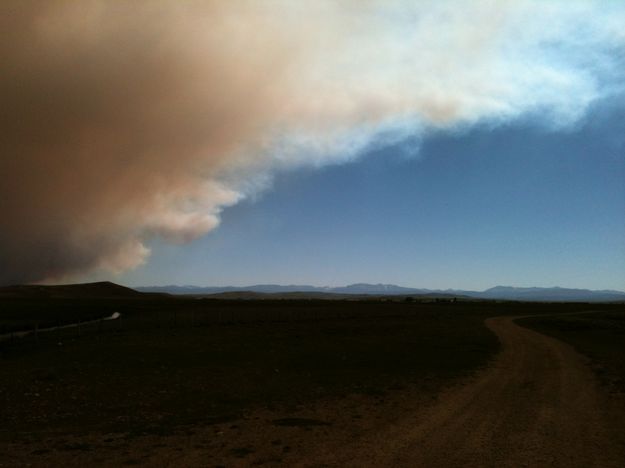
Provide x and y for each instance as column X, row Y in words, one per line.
column 68, row 291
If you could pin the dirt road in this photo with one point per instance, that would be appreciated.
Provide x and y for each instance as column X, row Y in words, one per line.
column 537, row 405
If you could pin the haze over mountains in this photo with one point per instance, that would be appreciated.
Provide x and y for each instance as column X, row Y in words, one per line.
column 497, row 292
column 106, row 289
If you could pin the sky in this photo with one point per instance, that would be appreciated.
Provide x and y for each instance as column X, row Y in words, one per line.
column 513, row 205
column 438, row 144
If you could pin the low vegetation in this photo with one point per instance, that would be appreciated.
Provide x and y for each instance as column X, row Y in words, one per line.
column 169, row 364
column 598, row 334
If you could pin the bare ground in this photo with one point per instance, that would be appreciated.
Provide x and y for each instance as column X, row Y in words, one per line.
column 537, row 405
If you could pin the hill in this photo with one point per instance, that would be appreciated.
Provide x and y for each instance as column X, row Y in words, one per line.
column 102, row 289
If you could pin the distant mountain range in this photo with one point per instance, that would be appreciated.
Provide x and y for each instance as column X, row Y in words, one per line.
column 554, row 294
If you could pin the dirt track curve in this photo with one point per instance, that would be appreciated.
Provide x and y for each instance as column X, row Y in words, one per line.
column 537, row 405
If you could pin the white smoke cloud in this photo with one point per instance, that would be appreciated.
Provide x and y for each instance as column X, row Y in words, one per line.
column 123, row 121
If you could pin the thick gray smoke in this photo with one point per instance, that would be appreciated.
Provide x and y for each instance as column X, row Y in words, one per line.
column 121, row 121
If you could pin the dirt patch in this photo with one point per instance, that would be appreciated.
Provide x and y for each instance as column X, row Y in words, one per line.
column 299, row 422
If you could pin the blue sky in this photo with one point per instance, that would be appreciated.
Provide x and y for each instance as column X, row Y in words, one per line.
column 513, row 204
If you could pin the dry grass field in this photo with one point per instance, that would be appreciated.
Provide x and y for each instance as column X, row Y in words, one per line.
column 226, row 382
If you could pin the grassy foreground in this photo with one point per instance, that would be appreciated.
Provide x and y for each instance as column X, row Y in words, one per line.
column 169, row 364
column 599, row 335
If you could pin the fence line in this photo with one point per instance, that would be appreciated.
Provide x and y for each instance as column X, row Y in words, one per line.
column 36, row 330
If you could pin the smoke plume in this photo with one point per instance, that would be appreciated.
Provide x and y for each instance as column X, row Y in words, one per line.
column 124, row 121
